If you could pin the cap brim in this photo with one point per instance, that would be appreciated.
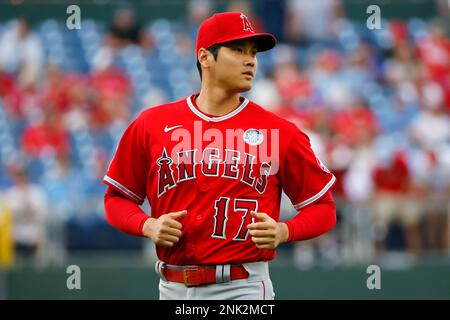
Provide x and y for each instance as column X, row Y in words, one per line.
column 264, row 41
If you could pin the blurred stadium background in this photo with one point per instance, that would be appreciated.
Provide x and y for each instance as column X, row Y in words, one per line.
column 375, row 104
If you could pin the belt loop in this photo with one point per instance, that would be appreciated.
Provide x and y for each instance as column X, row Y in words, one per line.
column 158, row 266
column 219, row 274
column 225, row 273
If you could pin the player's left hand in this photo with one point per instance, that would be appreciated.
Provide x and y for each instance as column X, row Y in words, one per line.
column 268, row 233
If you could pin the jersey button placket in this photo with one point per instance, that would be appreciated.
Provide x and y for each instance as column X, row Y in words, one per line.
column 202, row 185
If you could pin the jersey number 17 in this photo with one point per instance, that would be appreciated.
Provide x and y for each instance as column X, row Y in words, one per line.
column 221, row 217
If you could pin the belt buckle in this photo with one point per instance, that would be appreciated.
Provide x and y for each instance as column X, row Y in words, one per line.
column 186, row 277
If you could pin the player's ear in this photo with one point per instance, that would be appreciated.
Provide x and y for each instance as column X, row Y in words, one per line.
column 203, row 57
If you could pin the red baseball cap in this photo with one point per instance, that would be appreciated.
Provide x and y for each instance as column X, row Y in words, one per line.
column 229, row 26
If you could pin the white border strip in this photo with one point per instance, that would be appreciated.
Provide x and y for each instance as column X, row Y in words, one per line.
column 122, row 188
column 215, row 119
column 318, row 195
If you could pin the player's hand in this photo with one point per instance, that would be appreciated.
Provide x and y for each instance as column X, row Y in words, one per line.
column 166, row 230
column 268, row 233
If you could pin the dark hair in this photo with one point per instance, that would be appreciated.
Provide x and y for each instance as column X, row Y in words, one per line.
column 214, row 49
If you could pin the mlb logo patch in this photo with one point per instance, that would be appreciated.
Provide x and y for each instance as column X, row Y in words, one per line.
column 253, row 137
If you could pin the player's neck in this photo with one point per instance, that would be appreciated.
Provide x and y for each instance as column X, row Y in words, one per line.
column 217, row 102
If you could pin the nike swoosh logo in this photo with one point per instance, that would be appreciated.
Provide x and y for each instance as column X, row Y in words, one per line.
column 167, row 129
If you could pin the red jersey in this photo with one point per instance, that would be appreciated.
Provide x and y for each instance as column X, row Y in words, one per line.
column 218, row 169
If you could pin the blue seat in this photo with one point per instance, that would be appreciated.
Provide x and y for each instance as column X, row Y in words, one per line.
column 92, row 233
column 417, row 28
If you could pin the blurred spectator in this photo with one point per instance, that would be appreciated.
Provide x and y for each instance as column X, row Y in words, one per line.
column 125, row 29
column 185, row 51
column 62, row 187
column 432, row 116
column 431, row 168
column 80, row 102
column 340, row 156
column 58, row 89
column 359, row 70
column 7, row 84
column 198, row 10
column 272, row 14
column 266, row 93
column 403, row 66
column 326, row 76
column 396, row 201
column 295, row 87
column 430, row 173
column 399, row 32
column 402, row 110
column 105, row 57
column 21, row 53
column 46, row 137
column 434, row 51
column 113, row 92
column 246, row 8
column 29, row 208
column 311, row 20
column 443, row 10
column 13, row 96
column 93, row 204
column 355, row 122
column 357, row 181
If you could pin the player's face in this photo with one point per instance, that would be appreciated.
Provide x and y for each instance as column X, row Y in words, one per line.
column 236, row 64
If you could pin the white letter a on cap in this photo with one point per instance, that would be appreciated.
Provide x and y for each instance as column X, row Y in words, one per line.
column 247, row 24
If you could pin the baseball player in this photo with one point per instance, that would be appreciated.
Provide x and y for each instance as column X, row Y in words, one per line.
column 213, row 167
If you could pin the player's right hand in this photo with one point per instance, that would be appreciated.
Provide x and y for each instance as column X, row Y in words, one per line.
column 164, row 231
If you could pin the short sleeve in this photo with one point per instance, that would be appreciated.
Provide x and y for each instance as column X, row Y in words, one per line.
column 128, row 170
column 304, row 178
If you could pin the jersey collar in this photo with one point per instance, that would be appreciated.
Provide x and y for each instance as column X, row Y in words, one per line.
column 205, row 117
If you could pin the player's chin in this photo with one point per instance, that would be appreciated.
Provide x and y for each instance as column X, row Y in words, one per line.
column 245, row 86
